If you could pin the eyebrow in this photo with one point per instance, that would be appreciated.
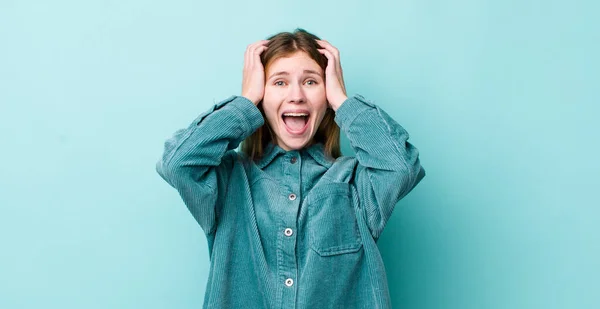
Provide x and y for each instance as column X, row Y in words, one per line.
column 286, row 73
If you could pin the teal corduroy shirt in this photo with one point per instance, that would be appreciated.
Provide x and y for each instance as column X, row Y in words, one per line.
column 295, row 229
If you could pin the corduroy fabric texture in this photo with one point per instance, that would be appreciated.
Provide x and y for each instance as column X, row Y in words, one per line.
column 295, row 229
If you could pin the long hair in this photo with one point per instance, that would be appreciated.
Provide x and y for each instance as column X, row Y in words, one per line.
column 280, row 45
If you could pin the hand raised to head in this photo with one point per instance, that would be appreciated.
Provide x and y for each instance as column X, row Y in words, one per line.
column 335, row 88
column 253, row 80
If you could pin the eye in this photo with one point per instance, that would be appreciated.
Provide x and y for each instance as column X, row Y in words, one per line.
column 312, row 82
column 279, row 83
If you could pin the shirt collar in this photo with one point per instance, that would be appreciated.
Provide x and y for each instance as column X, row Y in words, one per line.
column 316, row 151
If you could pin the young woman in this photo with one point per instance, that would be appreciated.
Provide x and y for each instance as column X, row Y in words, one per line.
column 290, row 222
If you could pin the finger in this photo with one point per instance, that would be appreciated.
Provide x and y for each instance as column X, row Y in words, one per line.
column 256, row 57
column 251, row 53
column 330, row 47
column 259, row 44
column 251, row 48
column 330, row 60
column 337, row 61
column 335, row 52
column 336, row 68
column 333, row 49
column 258, row 48
column 331, row 69
column 247, row 57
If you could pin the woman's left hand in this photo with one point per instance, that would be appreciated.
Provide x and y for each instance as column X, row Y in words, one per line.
column 334, row 85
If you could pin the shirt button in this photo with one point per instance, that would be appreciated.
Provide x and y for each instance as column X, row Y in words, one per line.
column 293, row 160
column 289, row 282
column 292, row 197
column 288, row 232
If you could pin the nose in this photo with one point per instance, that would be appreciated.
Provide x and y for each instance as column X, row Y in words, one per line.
column 296, row 94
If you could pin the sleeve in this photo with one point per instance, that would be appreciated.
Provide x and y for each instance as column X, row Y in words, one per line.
column 389, row 166
column 197, row 160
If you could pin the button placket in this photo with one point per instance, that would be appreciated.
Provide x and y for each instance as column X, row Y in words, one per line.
column 291, row 170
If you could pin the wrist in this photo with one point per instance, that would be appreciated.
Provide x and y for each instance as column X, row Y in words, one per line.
column 254, row 100
column 337, row 102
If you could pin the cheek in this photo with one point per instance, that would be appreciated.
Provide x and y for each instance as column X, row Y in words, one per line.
column 272, row 93
column 271, row 103
column 319, row 99
column 317, row 94
column 270, row 109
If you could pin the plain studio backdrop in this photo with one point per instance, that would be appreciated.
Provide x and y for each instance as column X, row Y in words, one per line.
column 500, row 97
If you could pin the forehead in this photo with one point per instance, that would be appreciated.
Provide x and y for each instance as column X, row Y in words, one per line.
column 294, row 63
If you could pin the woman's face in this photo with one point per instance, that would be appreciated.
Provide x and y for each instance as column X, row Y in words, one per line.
column 294, row 87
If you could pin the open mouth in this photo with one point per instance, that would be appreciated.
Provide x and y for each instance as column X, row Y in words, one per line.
column 296, row 122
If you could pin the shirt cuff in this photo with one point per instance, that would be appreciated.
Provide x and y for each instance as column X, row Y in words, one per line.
column 246, row 109
column 350, row 109
column 242, row 107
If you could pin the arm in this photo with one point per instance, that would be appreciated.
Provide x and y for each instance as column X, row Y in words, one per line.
column 197, row 160
column 389, row 166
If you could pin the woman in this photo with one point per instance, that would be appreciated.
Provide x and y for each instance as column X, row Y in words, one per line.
column 289, row 221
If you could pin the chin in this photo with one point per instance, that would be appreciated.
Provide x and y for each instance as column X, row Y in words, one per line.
column 294, row 144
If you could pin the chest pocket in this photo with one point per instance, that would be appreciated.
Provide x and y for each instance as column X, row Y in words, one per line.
column 332, row 224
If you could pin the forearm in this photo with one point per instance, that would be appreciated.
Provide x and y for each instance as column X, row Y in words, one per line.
column 378, row 140
column 203, row 143
column 389, row 166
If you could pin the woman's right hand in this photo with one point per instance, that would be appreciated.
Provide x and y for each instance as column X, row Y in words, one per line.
column 253, row 81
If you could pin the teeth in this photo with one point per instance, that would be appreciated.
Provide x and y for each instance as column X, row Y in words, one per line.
column 295, row 114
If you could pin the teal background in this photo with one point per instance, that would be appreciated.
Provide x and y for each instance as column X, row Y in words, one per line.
column 500, row 97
